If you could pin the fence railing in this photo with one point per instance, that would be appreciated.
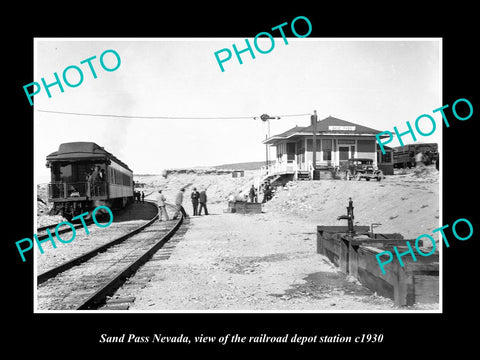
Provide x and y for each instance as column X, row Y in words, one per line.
column 290, row 166
column 57, row 190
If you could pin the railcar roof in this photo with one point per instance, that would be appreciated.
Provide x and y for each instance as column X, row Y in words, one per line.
column 81, row 150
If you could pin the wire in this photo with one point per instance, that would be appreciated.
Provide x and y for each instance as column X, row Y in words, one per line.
column 143, row 117
column 164, row 117
column 291, row 115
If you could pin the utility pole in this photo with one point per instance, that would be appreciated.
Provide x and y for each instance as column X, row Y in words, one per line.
column 266, row 153
column 314, row 145
column 266, row 118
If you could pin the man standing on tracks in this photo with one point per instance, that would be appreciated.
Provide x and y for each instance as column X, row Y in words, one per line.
column 178, row 204
column 161, row 206
column 203, row 202
column 195, row 195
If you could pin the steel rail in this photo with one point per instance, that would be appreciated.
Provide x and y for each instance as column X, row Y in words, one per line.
column 112, row 285
column 90, row 254
column 60, row 231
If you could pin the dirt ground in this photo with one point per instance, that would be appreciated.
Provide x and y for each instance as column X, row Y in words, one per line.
column 268, row 261
column 251, row 262
column 407, row 204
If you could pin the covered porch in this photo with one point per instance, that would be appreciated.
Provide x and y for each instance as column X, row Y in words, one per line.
column 336, row 141
column 295, row 156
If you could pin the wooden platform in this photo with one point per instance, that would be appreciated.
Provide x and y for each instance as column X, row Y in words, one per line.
column 415, row 282
column 244, row 207
column 303, row 175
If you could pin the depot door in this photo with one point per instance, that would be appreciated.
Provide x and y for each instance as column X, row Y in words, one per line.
column 291, row 147
column 345, row 152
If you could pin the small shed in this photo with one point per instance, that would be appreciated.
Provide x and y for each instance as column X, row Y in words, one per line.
column 385, row 161
column 238, row 173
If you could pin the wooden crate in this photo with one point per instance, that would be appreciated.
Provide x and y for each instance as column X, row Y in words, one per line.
column 329, row 243
column 326, row 174
column 231, row 207
column 415, row 282
column 244, row 207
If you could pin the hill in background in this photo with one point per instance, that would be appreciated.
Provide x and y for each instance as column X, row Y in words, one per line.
column 253, row 165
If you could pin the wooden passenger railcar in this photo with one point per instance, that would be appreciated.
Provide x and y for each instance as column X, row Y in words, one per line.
column 83, row 176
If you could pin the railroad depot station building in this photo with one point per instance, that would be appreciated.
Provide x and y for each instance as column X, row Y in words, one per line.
column 336, row 141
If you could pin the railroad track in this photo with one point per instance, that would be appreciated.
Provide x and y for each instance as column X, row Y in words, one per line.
column 77, row 224
column 42, row 231
column 86, row 281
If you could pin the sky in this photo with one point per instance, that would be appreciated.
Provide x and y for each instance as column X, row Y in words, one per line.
column 378, row 83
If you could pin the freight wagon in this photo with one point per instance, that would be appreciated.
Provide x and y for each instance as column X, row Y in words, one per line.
column 404, row 156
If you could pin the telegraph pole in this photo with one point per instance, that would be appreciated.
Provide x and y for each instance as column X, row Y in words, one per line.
column 266, row 153
column 314, row 145
column 266, row 118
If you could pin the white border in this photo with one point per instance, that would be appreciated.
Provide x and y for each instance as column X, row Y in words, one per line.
column 440, row 149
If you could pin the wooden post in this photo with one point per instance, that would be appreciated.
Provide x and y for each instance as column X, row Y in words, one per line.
column 266, row 153
column 314, row 145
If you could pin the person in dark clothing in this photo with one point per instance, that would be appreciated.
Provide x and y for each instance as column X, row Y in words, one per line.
column 195, row 195
column 267, row 192
column 203, row 202
column 93, row 179
column 253, row 194
column 143, row 197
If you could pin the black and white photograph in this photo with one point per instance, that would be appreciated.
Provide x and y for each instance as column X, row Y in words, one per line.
column 239, row 209
column 292, row 180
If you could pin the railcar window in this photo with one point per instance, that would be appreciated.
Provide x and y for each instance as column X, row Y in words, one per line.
column 66, row 173
column 62, row 172
column 55, row 176
column 72, row 172
column 119, row 177
column 83, row 169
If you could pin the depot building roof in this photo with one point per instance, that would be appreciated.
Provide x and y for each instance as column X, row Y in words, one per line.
column 328, row 126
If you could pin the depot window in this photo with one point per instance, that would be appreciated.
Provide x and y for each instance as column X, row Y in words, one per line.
column 310, row 145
